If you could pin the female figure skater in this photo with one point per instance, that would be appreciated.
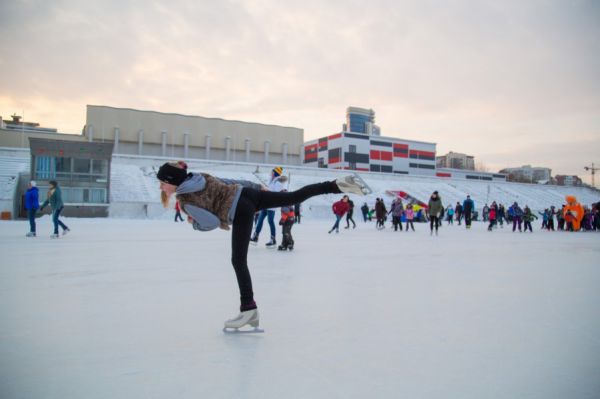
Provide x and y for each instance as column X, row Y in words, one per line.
column 211, row 202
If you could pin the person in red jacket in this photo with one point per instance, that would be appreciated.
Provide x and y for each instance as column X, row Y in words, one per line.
column 339, row 209
column 177, row 212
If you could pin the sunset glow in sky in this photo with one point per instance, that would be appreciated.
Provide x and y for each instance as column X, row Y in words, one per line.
column 511, row 82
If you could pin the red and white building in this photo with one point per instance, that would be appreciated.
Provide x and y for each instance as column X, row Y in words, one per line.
column 361, row 147
column 359, row 151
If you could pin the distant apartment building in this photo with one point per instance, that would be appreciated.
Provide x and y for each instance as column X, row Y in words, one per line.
column 360, row 146
column 527, row 173
column 568, row 180
column 455, row 160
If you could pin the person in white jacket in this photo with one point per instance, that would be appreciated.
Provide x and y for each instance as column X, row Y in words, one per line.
column 275, row 185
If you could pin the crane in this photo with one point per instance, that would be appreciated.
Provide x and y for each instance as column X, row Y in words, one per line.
column 593, row 170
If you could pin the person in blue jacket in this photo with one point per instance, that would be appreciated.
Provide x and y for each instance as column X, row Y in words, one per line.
column 32, row 203
column 56, row 202
column 517, row 216
column 467, row 208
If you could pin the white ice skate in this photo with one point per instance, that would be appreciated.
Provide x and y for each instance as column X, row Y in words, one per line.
column 353, row 184
column 248, row 317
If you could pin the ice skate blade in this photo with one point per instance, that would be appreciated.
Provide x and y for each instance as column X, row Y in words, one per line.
column 232, row 330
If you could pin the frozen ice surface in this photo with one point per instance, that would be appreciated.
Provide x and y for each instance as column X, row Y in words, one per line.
column 134, row 309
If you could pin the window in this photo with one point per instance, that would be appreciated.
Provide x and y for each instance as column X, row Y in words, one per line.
column 100, row 169
column 43, row 168
column 81, row 165
column 97, row 195
column 74, row 195
column 81, row 169
column 62, row 164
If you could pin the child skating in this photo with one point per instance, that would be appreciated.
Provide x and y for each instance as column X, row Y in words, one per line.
column 211, row 202
column 409, row 213
column 528, row 217
column 286, row 222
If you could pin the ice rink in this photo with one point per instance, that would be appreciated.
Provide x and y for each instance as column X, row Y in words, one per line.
column 134, row 309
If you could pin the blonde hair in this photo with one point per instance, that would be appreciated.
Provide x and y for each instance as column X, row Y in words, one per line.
column 164, row 199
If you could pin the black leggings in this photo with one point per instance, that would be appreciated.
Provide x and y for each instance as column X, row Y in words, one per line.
column 250, row 201
column 349, row 219
column 433, row 221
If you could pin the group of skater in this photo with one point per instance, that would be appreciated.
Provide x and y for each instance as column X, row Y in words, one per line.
column 570, row 217
column 410, row 213
column 242, row 206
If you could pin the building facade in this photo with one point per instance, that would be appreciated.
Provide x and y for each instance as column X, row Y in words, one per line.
column 469, row 174
column 455, row 160
column 568, row 180
column 357, row 149
column 136, row 132
column 150, row 133
column 81, row 169
column 529, row 174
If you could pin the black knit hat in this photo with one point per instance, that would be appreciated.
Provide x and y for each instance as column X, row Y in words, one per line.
column 171, row 174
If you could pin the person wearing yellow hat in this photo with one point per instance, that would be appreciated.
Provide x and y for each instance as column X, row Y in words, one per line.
column 276, row 185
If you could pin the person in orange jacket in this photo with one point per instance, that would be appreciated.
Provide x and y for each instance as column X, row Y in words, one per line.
column 573, row 213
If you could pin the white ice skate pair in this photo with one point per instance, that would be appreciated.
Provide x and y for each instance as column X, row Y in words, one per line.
column 353, row 184
column 247, row 317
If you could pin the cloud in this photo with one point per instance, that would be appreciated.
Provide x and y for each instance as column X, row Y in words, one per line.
column 468, row 75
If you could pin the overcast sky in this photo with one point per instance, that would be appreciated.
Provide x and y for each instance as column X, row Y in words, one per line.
column 510, row 82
